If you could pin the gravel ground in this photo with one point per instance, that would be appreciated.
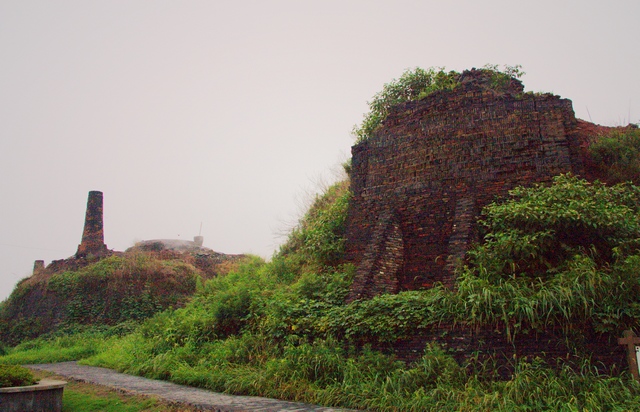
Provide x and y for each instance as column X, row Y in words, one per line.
column 171, row 392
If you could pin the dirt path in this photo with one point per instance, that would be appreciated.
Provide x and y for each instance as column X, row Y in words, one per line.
column 199, row 398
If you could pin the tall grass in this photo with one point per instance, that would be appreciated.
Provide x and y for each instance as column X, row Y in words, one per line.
column 57, row 349
column 324, row 372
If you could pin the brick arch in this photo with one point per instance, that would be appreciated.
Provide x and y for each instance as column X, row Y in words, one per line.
column 383, row 259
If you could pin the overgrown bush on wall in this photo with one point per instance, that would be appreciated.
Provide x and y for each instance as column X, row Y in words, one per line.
column 419, row 83
column 121, row 288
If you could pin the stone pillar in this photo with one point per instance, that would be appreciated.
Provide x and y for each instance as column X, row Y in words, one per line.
column 93, row 234
column 198, row 240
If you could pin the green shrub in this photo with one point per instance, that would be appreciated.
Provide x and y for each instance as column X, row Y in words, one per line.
column 617, row 155
column 13, row 375
column 538, row 230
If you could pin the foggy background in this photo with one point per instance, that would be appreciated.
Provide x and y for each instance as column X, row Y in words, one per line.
column 229, row 113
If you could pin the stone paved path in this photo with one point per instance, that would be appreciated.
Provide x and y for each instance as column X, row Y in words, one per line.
column 199, row 398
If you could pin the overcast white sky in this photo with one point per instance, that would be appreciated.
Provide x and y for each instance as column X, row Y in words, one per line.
column 227, row 112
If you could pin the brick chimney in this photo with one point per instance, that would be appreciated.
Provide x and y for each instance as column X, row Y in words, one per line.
column 93, row 234
column 38, row 266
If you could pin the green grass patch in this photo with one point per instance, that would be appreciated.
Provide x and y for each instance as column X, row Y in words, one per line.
column 85, row 401
column 419, row 83
column 324, row 372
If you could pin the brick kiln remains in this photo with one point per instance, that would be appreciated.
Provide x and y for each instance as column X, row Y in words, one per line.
column 420, row 182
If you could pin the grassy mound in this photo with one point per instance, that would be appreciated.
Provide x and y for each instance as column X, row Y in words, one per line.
column 113, row 290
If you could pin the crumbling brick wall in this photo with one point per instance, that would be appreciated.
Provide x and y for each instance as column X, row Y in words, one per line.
column 420, row 182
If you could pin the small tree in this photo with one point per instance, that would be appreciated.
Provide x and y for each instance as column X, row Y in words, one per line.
column 412, row 85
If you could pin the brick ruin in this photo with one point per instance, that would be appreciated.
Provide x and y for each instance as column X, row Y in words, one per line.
column 420, row 182
column 92, row 248
column 35, row 307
